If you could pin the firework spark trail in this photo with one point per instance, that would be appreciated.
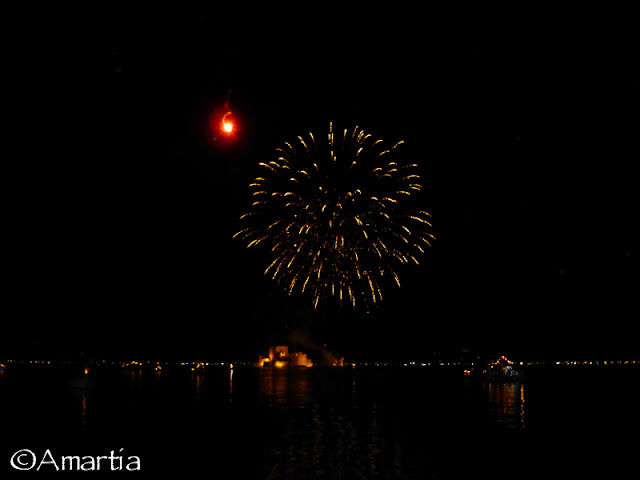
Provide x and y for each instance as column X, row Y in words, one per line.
column 335, row 217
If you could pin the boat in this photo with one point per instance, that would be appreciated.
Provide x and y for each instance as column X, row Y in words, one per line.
column 84, row 380
column 503, row 373
column 502, row 369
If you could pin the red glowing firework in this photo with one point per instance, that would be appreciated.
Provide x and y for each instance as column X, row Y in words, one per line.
column 227, row 123
column 223, row 125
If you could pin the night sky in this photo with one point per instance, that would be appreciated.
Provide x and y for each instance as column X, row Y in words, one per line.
column 120, row 208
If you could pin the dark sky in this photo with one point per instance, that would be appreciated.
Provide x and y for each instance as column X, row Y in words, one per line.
column 120, row 211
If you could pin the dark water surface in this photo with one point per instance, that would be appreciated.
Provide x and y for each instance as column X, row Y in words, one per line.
column 322, row 423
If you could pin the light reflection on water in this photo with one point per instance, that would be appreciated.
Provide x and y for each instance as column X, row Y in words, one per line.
column 325, row 422
column 197, row 382
column 231, row 386
column 285, row 386
column 371, row 425
column 300, row 387
column 506, row 403
column 85, row 411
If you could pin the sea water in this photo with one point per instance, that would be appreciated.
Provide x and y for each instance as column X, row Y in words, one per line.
column 333, row 423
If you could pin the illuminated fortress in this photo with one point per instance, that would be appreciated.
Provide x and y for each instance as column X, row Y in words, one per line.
column 279, row 357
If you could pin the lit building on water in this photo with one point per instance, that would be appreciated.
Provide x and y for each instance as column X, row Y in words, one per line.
column 280, row 356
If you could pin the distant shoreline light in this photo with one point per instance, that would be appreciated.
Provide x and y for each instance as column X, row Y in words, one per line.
column 154, row 363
